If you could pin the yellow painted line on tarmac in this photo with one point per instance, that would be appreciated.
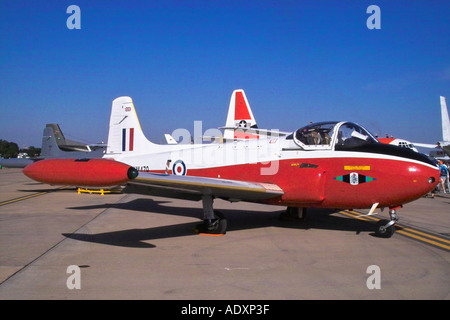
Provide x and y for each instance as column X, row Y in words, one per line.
column 426, row 235
column 419, row 235
column 356, row 215
column 364, row 217
column 30, row 196
column 426, row 240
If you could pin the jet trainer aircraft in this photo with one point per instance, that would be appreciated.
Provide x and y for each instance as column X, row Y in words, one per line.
column 337, row 165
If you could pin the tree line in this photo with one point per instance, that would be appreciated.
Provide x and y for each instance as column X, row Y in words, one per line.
column 11, row 150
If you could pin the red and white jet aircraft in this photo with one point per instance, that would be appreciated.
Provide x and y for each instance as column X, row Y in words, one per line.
column 337, row 165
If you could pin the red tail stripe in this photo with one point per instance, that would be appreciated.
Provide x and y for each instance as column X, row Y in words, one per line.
column 241, row 109
column 131, row 139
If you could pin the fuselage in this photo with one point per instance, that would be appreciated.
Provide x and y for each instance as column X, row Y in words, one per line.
column 336, row 172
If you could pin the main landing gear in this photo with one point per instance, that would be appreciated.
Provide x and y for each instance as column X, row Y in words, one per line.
column 386, row 228
column 293, row 213
column 214, row 221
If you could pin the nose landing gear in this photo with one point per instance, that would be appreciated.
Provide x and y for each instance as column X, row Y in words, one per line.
column 386, row 228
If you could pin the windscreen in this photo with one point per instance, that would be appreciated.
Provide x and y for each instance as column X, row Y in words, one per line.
column 316, row 134
column 352, row 135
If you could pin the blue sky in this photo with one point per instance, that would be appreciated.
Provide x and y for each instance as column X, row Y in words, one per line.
column 298, row 61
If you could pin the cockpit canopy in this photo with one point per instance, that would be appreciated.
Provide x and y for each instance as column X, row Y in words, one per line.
column 329, row 135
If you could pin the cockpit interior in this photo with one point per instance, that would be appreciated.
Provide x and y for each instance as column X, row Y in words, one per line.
column 331, row 135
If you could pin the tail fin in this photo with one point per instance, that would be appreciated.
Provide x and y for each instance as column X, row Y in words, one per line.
column 125, row 133
column 50, row 147
column 239, row 115
column 58, row 135
column 66, row 144
column 52, row 139
column 445, row 120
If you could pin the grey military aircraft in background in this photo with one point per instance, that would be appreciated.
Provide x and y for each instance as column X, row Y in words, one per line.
column 56, row 146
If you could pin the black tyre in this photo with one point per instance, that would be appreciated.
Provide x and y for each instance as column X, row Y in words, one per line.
column 382, row 231
column 217, row 226
column 294, row 214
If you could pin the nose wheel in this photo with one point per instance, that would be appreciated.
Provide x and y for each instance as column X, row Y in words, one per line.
column 386, row 228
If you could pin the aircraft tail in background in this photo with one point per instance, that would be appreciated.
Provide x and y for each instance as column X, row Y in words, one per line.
column 56, row 146
column 65, row 148
column 445, row 120
column 241, row 124
column 49, row 148
column 445, row 143
column 240, row 116
column 69, row 145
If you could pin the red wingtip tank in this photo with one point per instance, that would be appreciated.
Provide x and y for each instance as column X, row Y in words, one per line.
column 80, row 172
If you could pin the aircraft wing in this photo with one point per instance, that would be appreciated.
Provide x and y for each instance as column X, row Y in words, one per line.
column 192, row 188
column 104, row 172
column 16, row 162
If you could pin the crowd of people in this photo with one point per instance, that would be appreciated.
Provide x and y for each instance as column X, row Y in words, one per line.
column 444, row 184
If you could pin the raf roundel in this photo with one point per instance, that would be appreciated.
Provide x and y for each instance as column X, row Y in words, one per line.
column 179, row 168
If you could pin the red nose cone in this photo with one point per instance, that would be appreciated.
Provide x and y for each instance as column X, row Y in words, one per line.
column 84, row 172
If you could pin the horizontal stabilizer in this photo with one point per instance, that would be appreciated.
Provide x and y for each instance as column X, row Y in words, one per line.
column 170, row 139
